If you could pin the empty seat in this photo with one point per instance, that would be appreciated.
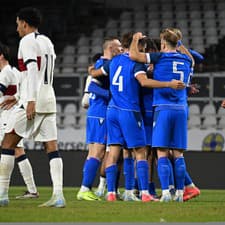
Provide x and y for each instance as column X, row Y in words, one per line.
column 125, row 23
column 139, row 15
column 125, row 15
column 221, row 112
column 209, row 121
column 209, row 109
column 139, row 25
column 167, row 15
column 83, row 49
column 96, row 49
column 221, row 123
column 209, row 14
column 68, row 59
column 70, row 108
column 69, row 121
column 111, row 24
column 67, row 70
column 111, row 32
column 69, row 49
column 98, row 32
column 195, row 14
column 97, row 41
column 211, row 40
column 194, row 109
column 194, row 122
column 82, row 60
column 83, row 40
column 181, row 15
column 167, row 23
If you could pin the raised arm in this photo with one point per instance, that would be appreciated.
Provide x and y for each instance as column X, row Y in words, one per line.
column 134, row 52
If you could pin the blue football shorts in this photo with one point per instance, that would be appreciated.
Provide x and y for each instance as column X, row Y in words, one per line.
column 96, row 130
column 170, row 128
column 125, row 128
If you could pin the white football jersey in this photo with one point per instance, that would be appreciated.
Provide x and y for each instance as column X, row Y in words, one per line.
column 9, row 80
column 38, row 48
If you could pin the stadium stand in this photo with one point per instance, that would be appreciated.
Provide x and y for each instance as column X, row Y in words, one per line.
column 78, row 28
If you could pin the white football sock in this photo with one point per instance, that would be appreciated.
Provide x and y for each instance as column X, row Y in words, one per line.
column 102, row 183
column 56, row 171
column 27, row 174
column 6, row 168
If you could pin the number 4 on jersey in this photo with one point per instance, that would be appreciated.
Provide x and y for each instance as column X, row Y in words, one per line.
column 118, row 79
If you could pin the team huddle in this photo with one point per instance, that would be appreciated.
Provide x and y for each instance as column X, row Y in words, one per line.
column 137, row 104
column 137, row 113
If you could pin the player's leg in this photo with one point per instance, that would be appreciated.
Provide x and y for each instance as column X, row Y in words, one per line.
column 27, row 174
column 164, row 171
column 179, row 174
column 56, row 173
column 151, row 158
column 91, row 165
column 128, row 170
column 47, row 133
column 171, row 178
column 111, row 171
column 102, row 179
column 143, row 173
column 9, row 144
column 161, row 140
column 190, row 190
column 180, row 144
column 96, row 139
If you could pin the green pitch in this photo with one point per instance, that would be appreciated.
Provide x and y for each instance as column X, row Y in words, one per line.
column 208, row 207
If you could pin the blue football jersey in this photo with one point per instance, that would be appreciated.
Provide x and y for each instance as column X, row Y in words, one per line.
column 98, row 104
column 167, row 67
column 124, row 87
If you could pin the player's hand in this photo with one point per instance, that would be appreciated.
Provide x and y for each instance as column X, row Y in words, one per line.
column 176, row 84
column 90, row 68
column 138, row 36
column 223, row 104
column 193, row 89
column 31, row 111
column 8, row 103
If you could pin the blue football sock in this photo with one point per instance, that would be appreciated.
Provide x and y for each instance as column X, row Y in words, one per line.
column 142, row 174
column 179, row 172
column 187, row 179
column 89, row 171
column 111, row 173
column 151, row 188
column 164, row 172
column 128, row 171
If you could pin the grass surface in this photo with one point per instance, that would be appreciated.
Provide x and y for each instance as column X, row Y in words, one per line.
column 208, row 207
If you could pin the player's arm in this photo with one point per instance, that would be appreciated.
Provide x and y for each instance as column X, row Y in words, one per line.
column 141, row 76
column 185, row 51
column 95, row 72
column 104, row 70
column 30, row 56
column 85, row 98
column 150, row 83
column 134, row 52
column 197, row 56
column 96, row 89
